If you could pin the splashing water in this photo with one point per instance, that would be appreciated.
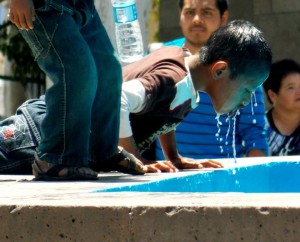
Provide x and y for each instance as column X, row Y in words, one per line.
column 227, row 121
column 255, row 102
column 255, row 105
column 219, row 123
column 233, row 135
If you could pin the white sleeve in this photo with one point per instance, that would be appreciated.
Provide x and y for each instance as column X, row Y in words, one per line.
column 133, row 100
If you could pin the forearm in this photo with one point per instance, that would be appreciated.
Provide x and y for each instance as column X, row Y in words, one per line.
column 169, row 147
column 129, row 145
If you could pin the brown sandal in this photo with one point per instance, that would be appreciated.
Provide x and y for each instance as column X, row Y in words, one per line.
column 73, row 173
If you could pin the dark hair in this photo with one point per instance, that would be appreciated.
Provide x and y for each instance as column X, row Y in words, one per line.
column 242, row 45
column 279, row 70
column 221, row 4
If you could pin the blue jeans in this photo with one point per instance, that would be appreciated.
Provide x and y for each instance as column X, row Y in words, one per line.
column 19, row 137
column 72, row 47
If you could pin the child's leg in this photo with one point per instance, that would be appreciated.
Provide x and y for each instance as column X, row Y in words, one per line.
column 65, row 57
column 106, row 108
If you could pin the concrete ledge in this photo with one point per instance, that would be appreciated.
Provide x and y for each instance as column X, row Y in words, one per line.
column 148, row 223
column 70, row 211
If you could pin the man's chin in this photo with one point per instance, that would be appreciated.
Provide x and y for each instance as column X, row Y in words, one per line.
column 229, row 113
column 220, row 112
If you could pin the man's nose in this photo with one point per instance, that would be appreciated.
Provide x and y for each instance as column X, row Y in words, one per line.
column 198, row 18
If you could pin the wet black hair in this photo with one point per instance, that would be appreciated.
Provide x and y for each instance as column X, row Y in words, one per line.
column 221, row 4
column 242, row 45
column 279, row 70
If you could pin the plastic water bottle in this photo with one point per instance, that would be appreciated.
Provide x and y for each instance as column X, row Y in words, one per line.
column 128, row 32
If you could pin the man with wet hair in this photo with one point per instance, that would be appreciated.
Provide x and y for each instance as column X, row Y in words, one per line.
column 164, row 87
column 200, row 135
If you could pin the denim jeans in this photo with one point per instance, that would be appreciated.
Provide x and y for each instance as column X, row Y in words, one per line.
column 72, row 47
column 19, row 137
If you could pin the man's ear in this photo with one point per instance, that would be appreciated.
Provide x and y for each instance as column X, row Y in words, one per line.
column 179, row 15
column 219, row 69
column 224, row 18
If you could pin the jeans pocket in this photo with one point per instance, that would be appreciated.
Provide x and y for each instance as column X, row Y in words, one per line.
column 33, row 42
column 15, row 134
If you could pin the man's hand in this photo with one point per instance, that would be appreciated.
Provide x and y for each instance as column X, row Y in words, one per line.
column 180, row 163
column 188, row 163
column 22, row 13
column 211, row 164
column 162, row 166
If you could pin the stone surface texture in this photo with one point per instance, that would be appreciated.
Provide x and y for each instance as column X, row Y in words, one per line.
column 74, row 211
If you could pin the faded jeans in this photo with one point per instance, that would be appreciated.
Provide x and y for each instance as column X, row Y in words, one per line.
column 72, row 47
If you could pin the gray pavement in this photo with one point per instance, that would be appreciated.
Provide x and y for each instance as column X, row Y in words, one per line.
column 73, row 211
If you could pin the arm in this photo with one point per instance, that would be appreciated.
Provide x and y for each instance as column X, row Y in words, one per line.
column 169, row 147
column 132, row 101
column 22, row 13
column 129, row 145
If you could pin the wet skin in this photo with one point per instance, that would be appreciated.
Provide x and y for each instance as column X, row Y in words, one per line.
column 232, row 95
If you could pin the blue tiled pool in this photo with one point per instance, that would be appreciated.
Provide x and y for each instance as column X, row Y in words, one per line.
column 269, row 177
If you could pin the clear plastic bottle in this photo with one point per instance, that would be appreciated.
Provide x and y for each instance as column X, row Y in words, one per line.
column 128, row 32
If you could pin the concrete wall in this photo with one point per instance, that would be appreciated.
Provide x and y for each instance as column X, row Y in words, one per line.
column 279, row 20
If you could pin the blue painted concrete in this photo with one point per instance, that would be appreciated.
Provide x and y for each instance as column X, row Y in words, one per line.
column 272, row 177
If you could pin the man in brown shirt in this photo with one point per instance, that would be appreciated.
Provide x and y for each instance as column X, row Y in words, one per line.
column 161, row 89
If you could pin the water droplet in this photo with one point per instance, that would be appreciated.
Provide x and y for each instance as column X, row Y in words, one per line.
column 219, row 123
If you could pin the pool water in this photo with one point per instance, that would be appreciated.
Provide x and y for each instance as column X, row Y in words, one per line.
column 271, row 177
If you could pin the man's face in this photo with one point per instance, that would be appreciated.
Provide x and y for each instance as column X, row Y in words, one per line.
column 232, row 95
column 198, row 19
